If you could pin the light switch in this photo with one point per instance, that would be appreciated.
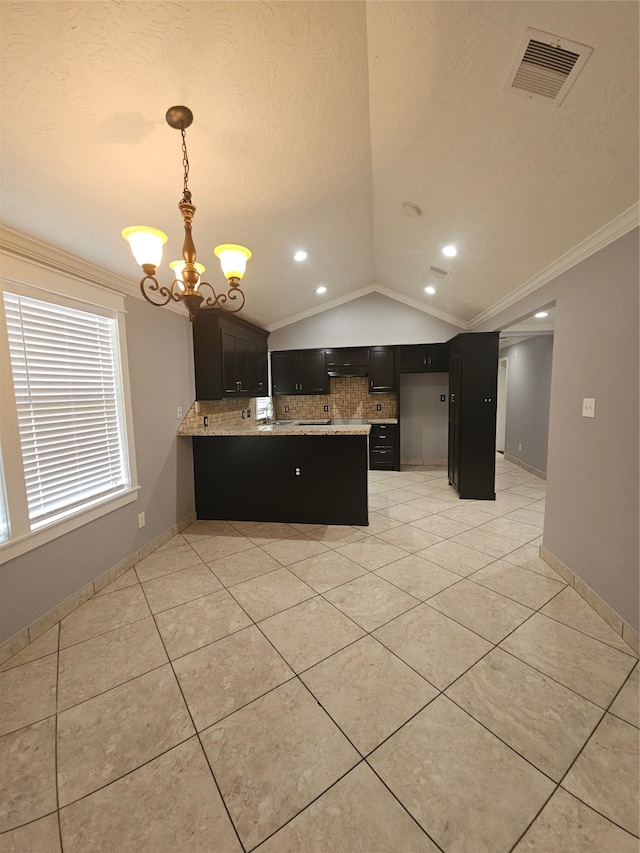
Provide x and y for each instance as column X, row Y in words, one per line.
column 589, row 407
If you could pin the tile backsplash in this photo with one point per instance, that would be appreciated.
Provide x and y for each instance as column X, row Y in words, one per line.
column 348, row 398
column 221, row 413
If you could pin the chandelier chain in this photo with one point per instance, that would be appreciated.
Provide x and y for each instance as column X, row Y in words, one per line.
column 186, row 195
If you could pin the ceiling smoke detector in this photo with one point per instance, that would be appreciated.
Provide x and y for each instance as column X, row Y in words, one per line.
column 546, row 66
column 412, row 209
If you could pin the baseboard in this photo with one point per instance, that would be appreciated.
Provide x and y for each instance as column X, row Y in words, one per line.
column 628, row 634
column 529, row 468
column 13, row 645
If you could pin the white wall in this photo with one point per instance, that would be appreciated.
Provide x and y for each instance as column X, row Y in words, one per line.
column 371, row 320
column 161, row 368
column 424, row 422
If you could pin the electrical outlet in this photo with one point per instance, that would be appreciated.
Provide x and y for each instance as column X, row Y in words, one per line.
column 520, row 446
column 286, row 408
column 443, row 398
column 326, row 408
column 141, row 519
column 378, row 407
column 180, row 412
column 206, row 421
column 589, row 407
column 248, row 413
column 244, row 414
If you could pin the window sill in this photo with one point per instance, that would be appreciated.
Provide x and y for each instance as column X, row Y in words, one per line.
column 21, row 545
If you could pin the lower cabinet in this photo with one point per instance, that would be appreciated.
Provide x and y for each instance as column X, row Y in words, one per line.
column 384, row 447
column 317, row 479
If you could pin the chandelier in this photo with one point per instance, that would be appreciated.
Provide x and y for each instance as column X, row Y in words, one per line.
column 146, row 244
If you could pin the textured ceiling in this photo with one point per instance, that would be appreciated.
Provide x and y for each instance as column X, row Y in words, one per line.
column 314, row 122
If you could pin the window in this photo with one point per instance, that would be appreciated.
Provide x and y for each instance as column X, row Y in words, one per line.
column 264, row 408
column 69, row 438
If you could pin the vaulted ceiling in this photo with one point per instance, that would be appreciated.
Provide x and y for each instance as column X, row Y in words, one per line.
column 315, row 123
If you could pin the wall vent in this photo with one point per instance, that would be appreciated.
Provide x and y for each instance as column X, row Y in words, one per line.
column 546, row 66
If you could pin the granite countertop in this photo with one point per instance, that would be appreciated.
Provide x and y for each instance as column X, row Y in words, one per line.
column 295, row 427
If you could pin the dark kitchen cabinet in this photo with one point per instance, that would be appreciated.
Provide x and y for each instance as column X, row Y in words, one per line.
column 321, row 479
column 473, row 372
column 230, row 356
column 423, row 358
column 384, row 447
column 382, row 369
column 298, row 372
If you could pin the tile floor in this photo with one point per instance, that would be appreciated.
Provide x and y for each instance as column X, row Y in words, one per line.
column 426, row 683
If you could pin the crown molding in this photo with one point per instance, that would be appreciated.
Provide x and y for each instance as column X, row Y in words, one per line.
column 365, row 291
column 17, row 245
column 616, row 228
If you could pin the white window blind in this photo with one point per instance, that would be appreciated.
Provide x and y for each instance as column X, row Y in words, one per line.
column 66, row 376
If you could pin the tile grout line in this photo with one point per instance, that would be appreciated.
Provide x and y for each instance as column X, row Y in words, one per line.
column 196, row 732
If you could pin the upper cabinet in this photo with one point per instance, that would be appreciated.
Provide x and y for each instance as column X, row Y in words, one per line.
column 230, row 356
column 298, row 372
column 423, row 358
column 382, row 369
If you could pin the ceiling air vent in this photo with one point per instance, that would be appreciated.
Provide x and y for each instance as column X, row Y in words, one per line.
column 436, row 275
column 546, row 67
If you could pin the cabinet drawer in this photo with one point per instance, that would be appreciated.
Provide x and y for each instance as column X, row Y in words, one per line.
column 382, row 459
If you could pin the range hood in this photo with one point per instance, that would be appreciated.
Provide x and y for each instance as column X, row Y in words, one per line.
column 348, row 361
column 345, row 370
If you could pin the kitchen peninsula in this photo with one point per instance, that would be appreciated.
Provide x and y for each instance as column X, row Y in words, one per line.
column 312, row 473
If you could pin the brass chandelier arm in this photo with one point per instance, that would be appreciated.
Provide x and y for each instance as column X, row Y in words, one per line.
column 166, row 294
column 222, row 299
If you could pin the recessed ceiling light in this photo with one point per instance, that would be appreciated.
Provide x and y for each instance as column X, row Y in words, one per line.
column 430, row 289
column 541, row 314
column 320, row 290
column 300, row 255
column 449, row 251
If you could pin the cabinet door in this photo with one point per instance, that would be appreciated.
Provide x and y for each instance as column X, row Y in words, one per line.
column 284, row 373
column 243, row 366
column 312, row 376
column 382, row 369
column 455, row 386
column 229, row 341
column 437, row 358
column 258, row 369
column 412, row 358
